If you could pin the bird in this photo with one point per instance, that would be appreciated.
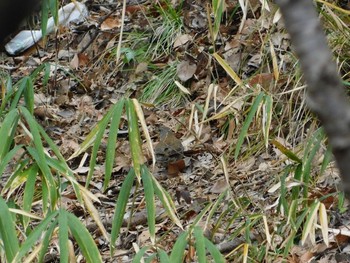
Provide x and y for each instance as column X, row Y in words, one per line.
column 170, row 148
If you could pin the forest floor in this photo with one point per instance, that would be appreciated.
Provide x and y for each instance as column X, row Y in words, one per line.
column 248, row 140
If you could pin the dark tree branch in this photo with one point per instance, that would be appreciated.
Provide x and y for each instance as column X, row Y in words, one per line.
column 326, row 95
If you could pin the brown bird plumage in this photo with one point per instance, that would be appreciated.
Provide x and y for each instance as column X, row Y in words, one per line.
column 169, row 148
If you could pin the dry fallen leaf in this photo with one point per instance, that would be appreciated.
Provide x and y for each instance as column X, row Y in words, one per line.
column 174, row 168
column 219, row 186
column 185, row 70
column 79, row 60
column 181, row 40
column 110, row 23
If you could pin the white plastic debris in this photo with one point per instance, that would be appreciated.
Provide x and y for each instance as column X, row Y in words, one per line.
column 72, row 12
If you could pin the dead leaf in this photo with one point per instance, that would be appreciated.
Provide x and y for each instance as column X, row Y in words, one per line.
column 83, row 59
column 79, row 60
column 141, row 67
column 42, row 113
column 75, row 62
column 265, row 80
column 110, row 23
column 182, row 40
column 185, row 70
column 219, row 186
column 174, row 168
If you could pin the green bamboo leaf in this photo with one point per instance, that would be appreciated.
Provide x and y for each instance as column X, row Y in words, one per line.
column 111, row 142
column 29, row 192
column 63, row 236
column 35, row 235
column 267, row 118
column 102, row 128
column 289, row 243
column 150, row 202
column 200, row 244
column 151, row 258
column 18, row 94
column 39, row 155
column 301, row 218
column 310, row 221
column 17, row 179
column 214, row 251
column 44, row 16
column 215, row 206
column 140, row 254
column 8, row 89
column 8, row 232
column 45, row 242
column 91, row 137
column 53, row 146
column 283, row 204
column 286, row 151
column 247, row 122
column 163, row 256
column 36, row 73
column 166, row 201
column 8, row 157
column 44, row 195
column 218, row 7
column 54, row 6
column 60, row 164
column 62, row 167
column 84, row 239
column 134, row 138
column 29, row 94
column 177, row 253
column 49, row 183
column 292, row 212
column 298, row 173
column 311, row 150
column 7, row 131
column 46, row 76
column 141, row 118
column 121, row 206
column 327, row 157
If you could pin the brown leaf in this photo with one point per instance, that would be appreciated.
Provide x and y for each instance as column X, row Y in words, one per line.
column 83, row 59
column 342, row 239
column 75, row 62
column 265, row 80
column 219, row 186
column 182, row 40
column 110, row 23
column 174, row 168
column 42, row 113
column 79, row 60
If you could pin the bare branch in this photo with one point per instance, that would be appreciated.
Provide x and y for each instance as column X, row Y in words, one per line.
column 326, row 94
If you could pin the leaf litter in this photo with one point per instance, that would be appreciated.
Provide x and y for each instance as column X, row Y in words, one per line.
column 85, row 79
